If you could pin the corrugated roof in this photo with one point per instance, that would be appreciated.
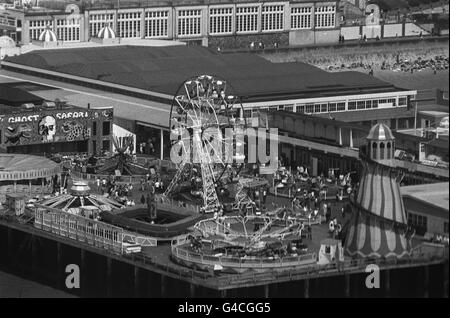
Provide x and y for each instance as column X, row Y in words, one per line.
column 163, row 69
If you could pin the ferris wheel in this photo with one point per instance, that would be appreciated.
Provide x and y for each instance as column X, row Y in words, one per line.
column 207, row 127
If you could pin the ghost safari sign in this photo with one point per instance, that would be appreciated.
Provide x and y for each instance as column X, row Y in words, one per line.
column 35, row 117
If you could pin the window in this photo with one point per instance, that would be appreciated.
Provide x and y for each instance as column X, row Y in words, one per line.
column 106, row 128
column 419, row 222
column 325, row 17
column 375, row 103
column 332, row 107
column 351, row 105
column 94, row 128
column 327, row 249
column 309, row 108
column 301, row 18
column 402, row 101
column 156, row 24
column 341, row 106
column 361, row 104
column 368, row 104
column 289, row 108
column 317, row 108
column 247, row 19
column 391, row 101
column 129, row 25
column 189, row 22
column 273, row 18
column 98, row 21
column 106, row 145
column 220, row 20
column 324, row 108
column 68, row 30
column 301, row 109
column 382, row 150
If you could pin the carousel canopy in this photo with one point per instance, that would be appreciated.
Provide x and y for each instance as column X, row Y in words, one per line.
column 48, row 36
column 80, row 198
column 106, row 33
column 26, row 167
column 7, row 42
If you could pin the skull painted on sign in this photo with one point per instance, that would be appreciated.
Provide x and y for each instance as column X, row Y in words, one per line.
column 47, row 128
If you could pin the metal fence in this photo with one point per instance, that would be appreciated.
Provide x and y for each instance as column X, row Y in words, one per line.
column 81, row 229
column 243, row 262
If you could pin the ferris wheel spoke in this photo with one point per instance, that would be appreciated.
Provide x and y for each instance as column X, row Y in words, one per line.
column 205, row 111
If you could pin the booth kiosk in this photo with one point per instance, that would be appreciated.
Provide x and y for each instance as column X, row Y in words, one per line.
column 330, row 251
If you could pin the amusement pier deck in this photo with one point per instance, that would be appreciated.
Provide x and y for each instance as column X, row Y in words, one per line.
column 44, row 256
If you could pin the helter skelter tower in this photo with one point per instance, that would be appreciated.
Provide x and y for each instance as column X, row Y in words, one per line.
column 379, row 224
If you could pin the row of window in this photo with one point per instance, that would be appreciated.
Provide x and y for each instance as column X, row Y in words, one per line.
column 419, row 222
column 220, row 20
column 327, row 107
column 129, row 25
column 325, row 17
column 156, row 24
column 351, row 105
column 301, row 18
column 189, row 21
column 68, row 30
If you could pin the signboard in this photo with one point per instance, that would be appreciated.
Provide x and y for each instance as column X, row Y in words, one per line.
column 32, row 127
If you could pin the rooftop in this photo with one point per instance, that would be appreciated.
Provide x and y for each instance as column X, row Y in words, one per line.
column 12, row 96
column 162, row 69
column 435, row 194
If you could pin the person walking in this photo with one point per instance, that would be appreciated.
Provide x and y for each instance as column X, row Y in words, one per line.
column 98, row 184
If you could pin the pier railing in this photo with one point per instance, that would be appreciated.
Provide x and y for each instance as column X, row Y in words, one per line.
column 243, row 262
column 81, row 229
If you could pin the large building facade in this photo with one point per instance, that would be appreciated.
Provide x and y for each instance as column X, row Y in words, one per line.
column 217, row 23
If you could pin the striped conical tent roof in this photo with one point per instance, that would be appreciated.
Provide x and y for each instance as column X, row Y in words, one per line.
column 106, row 33
column 379, row 224
column 48, row 36
column 369, row 236
column 379, row 192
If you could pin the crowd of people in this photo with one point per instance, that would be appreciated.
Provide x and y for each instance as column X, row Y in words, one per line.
column 395, row 62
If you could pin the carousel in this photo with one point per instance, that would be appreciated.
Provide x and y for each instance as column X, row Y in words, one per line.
column 27, row 175
column 80, row 201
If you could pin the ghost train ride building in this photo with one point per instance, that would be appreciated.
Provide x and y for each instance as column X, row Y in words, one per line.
column 51, row 128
